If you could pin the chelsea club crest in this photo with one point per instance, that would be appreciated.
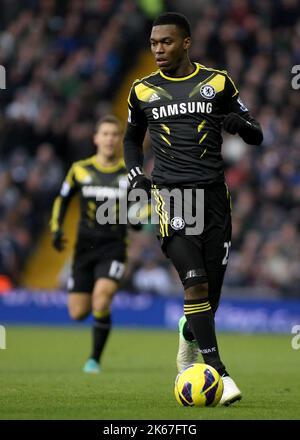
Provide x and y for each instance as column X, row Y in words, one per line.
column 207, row 91
column 177, row 223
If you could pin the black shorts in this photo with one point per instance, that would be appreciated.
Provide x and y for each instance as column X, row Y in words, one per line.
column 201, row 257
column 94, row 260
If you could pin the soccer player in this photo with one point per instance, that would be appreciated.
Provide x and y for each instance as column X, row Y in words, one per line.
column 185, row 106
column 100, row 251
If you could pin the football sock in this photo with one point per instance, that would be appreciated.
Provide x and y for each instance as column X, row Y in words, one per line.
column 201, row 322
column 100, row 332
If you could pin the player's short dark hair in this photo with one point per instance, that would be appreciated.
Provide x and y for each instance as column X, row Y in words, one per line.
column 178, row 20
column 109, row 119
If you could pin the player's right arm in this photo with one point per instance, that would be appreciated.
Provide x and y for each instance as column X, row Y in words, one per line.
column 133, row 144
column 59, row 209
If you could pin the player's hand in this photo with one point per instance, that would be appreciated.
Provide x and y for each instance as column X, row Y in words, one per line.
column 58, row 241
column 233, row 123
column 138, row 180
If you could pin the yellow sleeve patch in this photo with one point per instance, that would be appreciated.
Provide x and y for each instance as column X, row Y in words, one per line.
column 218, row 83
column 143, row 92
column 81, row 174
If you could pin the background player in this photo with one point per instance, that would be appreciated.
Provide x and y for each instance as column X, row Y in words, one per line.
column 100, row 250
column 185, row 105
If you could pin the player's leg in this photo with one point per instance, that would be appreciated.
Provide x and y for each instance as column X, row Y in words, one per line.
column 216, row 240
column 165, row 207
column 215, row 282
column 80, row 286
column 216, row 246
column 79, row 305
column 102, row 297
column 231, row 392
column 108, row 276
column 188, row 261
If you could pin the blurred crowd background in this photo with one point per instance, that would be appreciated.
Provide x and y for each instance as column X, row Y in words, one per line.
column 64, row 61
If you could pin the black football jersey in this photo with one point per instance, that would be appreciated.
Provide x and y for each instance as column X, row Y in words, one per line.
column 184, row 117
column 95, row 185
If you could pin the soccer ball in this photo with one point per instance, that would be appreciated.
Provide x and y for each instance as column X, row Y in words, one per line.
column 198, row 385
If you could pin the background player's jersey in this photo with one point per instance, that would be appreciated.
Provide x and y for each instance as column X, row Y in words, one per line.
column 92, row 181
column 184, row 117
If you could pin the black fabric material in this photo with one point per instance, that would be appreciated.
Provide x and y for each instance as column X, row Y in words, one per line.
column 184, row 119
column 246, row 127
column 133, row 146
column 141, row 182
column 58, row 240
column 203, row 327
column 100, row 333
column 186, row 257
column 206, row 251
column 92, row 260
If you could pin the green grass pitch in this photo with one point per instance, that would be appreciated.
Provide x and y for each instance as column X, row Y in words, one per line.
column 41, row 378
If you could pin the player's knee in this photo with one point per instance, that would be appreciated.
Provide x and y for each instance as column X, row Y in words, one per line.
column 77, row 313
column 103, row 295
column 101, row 303
column 197, row 291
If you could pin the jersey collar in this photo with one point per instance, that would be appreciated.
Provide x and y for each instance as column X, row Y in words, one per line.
column 111, row 169
column 182, row 78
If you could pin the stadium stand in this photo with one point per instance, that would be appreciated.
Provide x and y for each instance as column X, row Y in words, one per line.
column 67, row 65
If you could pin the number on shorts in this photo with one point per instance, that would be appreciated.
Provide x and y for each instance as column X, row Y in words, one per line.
column 227, row 245
column 116, row 270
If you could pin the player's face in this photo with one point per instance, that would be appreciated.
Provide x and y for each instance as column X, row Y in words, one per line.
column 168, row 46
column 107, row 139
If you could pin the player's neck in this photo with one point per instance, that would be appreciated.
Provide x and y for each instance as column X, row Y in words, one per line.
column 106, row 161
column 184, row 69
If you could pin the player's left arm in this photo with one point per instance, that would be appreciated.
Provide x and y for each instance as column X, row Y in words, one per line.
column 133, row 144
column 238, row 118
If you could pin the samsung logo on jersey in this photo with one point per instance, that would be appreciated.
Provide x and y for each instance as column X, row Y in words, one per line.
column 101, row 192
column 181, row 109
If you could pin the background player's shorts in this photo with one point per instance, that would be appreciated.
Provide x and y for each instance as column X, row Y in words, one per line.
column 203, row 257
column 94, row 260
